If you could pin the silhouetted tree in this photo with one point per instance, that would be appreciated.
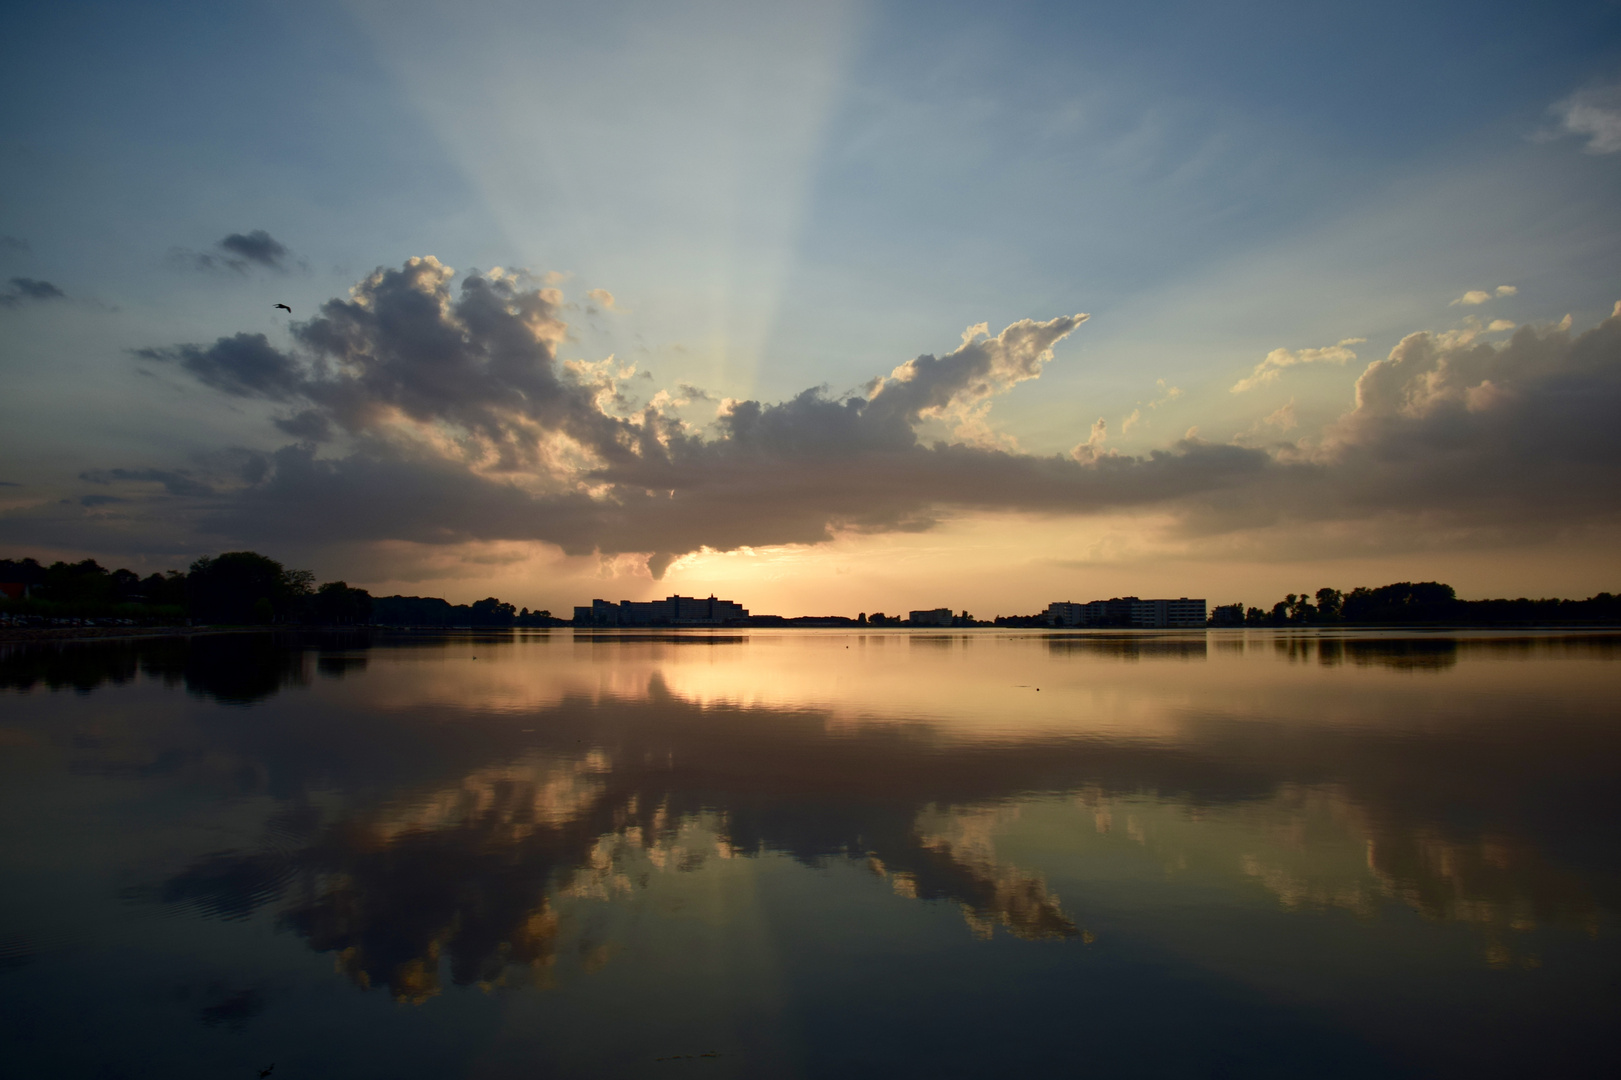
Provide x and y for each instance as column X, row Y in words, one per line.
column 492, row 612
column 244, row 587
column 84, row 582
column 336, row 603
column 1402, row 602
column 1329, row 603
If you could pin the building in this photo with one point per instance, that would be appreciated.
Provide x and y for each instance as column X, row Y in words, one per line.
column 1115, row 612
column 1127, row 611
column 1181, row 612
column 671, row 611
column 940, row 616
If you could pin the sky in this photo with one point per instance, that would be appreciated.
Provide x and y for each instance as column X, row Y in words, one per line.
column 833, row 308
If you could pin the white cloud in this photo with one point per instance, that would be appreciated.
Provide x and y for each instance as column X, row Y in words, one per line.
column 603, row 297
column 1283, row 418
column 1093, row 446
column 1499, row 324
column 1271, row 368
column 1594, row 114
column 1471, row 298
column 1507, row 290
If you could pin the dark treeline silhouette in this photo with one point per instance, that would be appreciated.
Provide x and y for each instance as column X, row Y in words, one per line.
column 240, row 588
column 432, row 611
column 1409, row 603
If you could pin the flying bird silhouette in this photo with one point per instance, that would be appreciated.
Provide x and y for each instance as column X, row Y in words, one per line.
column 285, row 308
column 266, row 1071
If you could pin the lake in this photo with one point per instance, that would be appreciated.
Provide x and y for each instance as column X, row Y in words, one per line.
column 812, row 854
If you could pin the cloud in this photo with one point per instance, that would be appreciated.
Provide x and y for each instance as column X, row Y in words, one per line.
column 1283, row 418
column 246, row 365
column 1093, row 446
column 437, row 411
column 1475, row 297
column 257, row 246
column 1497, row 325
column 1595, row 115
column 173, row 481
column 238, row 253
column 14, row 243
column 23, row 290
column 603, row 297
column 1269, row 369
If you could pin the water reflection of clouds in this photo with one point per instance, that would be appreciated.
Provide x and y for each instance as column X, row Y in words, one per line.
column 481, row 834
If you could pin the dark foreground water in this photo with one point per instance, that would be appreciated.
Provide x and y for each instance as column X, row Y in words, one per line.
column 831, row 854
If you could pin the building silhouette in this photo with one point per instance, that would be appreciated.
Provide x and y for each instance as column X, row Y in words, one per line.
column 1128, row 611
column 671, row 611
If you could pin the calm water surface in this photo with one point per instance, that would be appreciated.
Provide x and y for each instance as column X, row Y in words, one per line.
column 770, row 854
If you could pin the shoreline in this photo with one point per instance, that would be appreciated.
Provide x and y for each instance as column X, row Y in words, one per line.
column 47, row 635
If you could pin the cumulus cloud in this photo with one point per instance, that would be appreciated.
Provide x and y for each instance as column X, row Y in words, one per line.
column 1476, row 297
column 1269, row 369
column 23, row 290
column 602, row 297
column 1595, row 115
column 239, row 252
column 438, row 411
column 1093, row 446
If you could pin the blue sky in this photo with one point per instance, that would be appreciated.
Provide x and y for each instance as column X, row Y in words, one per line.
column 782, row 197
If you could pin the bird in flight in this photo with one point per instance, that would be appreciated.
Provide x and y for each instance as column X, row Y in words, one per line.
column 285, row 308
column 266, row 1072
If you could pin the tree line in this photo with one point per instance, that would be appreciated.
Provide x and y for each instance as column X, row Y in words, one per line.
column 234, row 588
column 1407, row 602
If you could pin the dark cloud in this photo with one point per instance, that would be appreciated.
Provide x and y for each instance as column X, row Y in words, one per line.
column 174, row 481
column 1462, row 433
column 308, row 426
column 455, row 421
column 257, row 246
column 238, row 253
column 13, row 243
column 99, row 500
column 22, row 290
column 246, row 365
